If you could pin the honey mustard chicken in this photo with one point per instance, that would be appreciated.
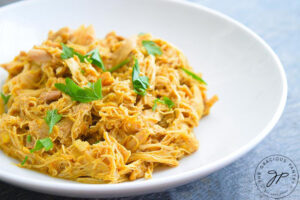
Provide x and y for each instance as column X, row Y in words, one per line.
column 100, row 110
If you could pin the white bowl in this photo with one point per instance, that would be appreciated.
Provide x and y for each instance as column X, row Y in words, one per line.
column 238, row 66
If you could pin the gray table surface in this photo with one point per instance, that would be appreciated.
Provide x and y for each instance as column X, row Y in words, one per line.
column 278, row 23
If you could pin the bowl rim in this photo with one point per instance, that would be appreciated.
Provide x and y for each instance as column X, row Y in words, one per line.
column 75, row 189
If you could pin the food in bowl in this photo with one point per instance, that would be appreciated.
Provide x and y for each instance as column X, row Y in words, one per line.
column 100, row 111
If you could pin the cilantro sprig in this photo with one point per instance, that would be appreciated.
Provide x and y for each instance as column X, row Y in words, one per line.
column 140, row 83
column 151, row 47
column 86, row 94
column 95, row 58
column 164, row 100
column 194, row 76
column 24, row 161
column 118, row 66
column 91, row 57
column 67, row 52
column 45, row 143
column 5, row 97
column 29, row 138
column 52, row 118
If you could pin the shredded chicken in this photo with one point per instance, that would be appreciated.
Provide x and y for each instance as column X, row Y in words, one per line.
column 114, row 139
column 75, row 70
column 50, row 96
column 124, row 50
column 39, row 56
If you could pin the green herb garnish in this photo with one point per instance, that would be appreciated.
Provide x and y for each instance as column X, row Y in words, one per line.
column 28, row 138
column 194, row 76
column 151, row 47
column 45, row 143
column 67, row 52
column 95, row 59
column 5, row 97
column 24, row 161
column 91, row 57
column 82, row 58
column 52, row 118
column 165, row 101
column 118, row 66
column 87, row 94
column 140, row 83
